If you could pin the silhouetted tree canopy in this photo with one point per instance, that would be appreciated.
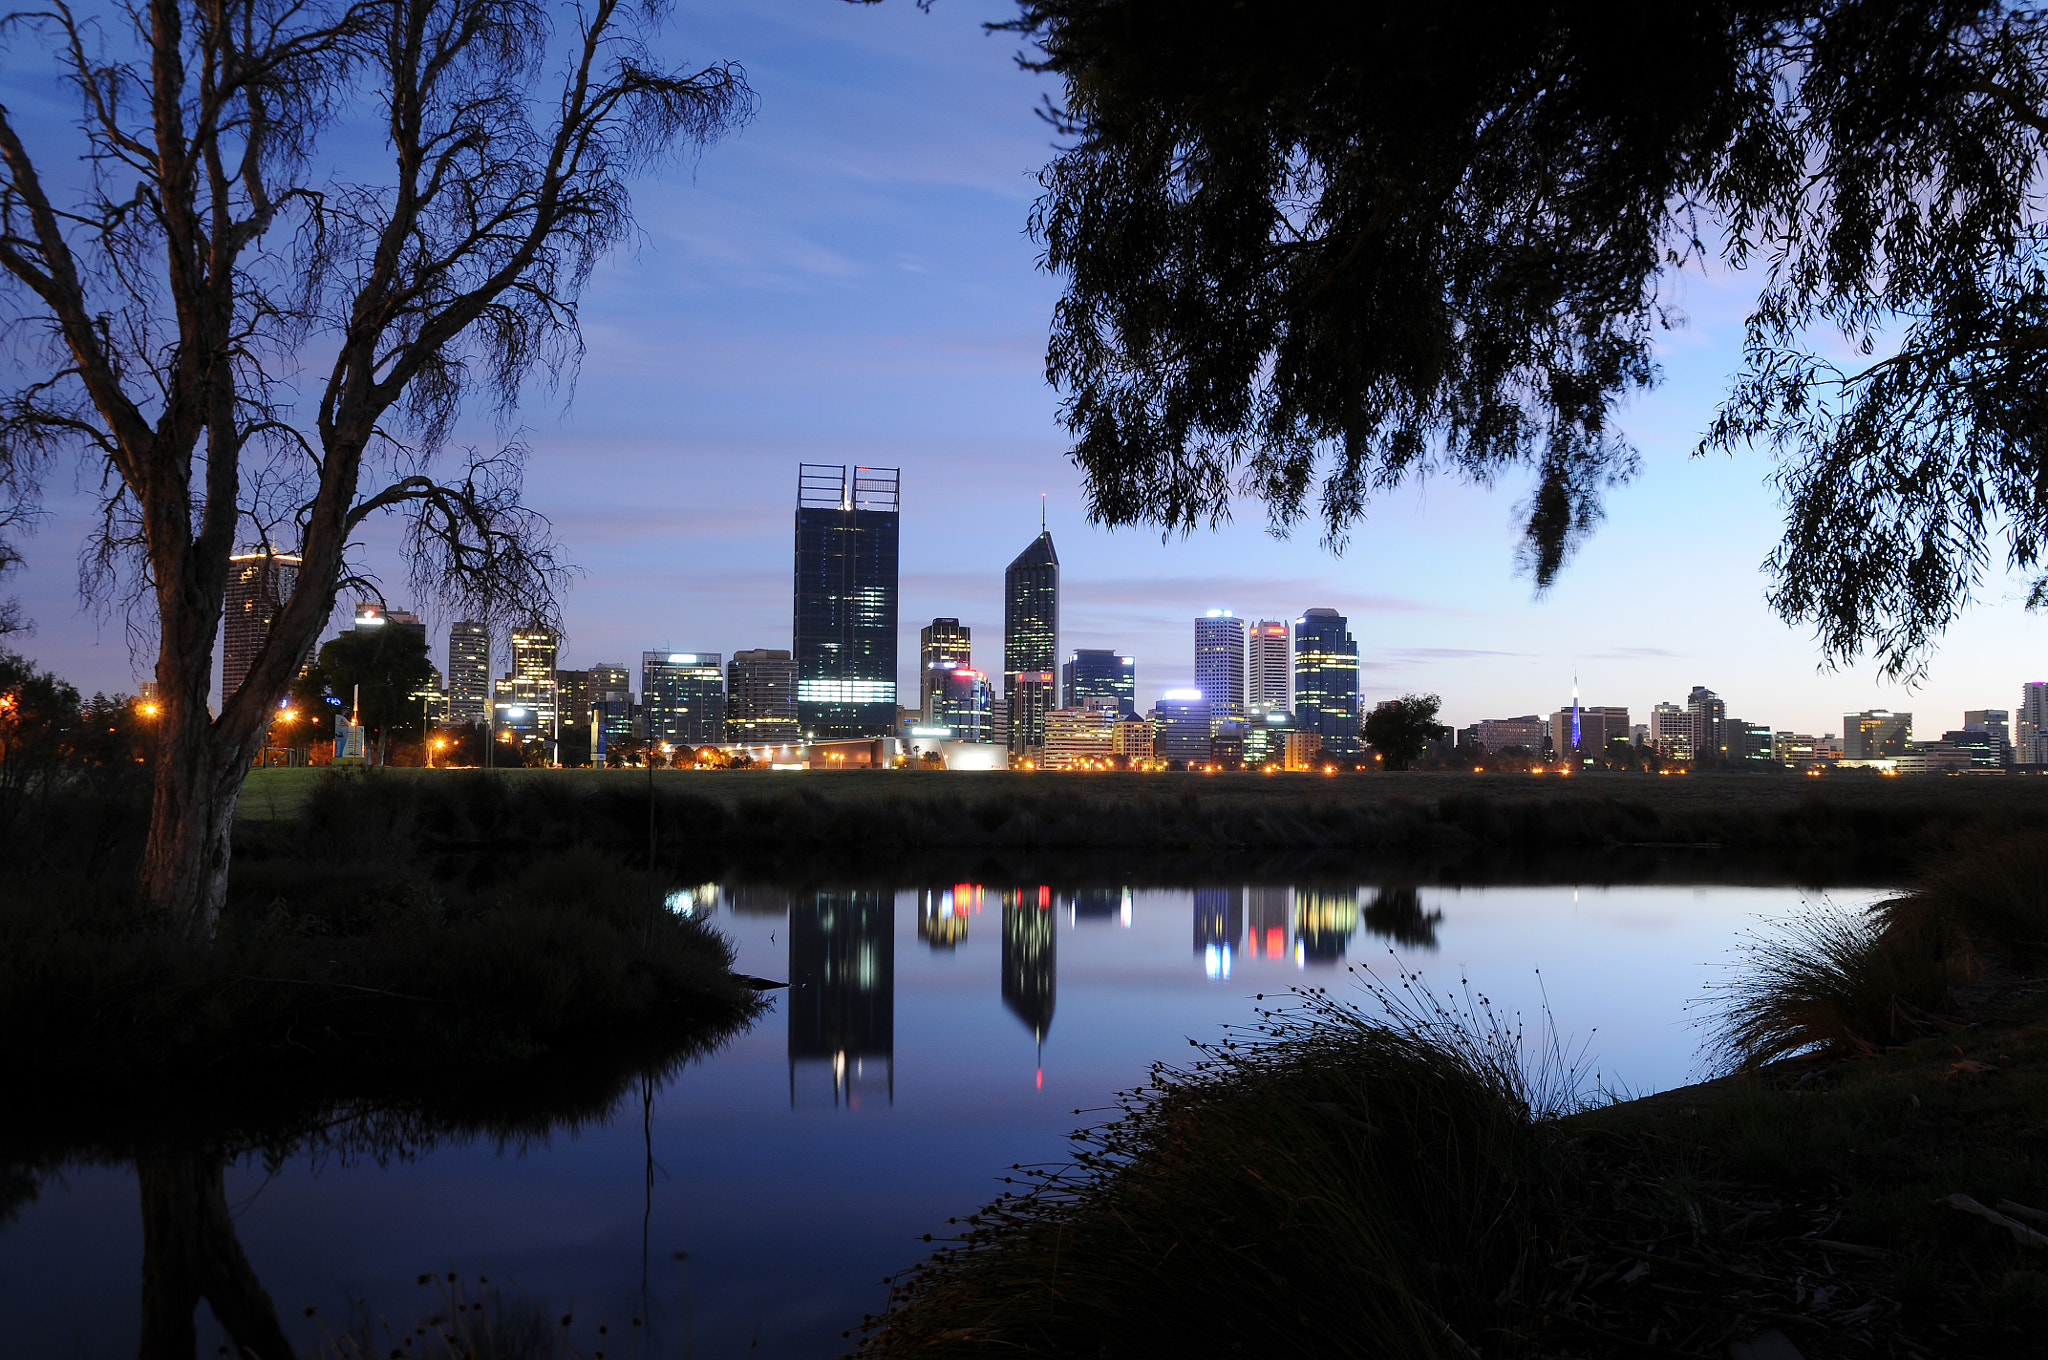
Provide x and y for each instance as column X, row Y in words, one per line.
column 1402, row 729
column 388, row 667
column 1315, row 251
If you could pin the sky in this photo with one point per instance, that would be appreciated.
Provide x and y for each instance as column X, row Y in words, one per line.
column 849, row 280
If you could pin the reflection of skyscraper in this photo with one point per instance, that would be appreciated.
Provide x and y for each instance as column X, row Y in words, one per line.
column 1269, row 913
column 258, row 586
column 1031, row 641
column 845, row 629
column 1324, row 921
column 1219, row 925
column 842, row 987
column 1029, row 966
column 942, row 914
column 1102, row 904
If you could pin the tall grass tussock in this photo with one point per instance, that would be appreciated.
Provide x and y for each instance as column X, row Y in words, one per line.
column 1332, row 1183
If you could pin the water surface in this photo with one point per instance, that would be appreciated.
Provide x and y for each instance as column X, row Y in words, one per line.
column 931, row 1037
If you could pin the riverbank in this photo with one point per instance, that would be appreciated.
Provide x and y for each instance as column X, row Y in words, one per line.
column 1336, row 1188
column 338, row 955
column 777, row 822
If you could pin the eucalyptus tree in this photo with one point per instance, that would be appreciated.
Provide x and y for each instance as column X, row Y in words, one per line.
column 309, row 234
column 1314, row 252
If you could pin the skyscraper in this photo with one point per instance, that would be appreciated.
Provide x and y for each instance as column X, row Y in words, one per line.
column 1097, row 673
column 961, row 701
column 845, row 625
column 760, row 698
column 942, row 646
column 469, row 672
column 2030, row 724
column 526, row 697
column 258, row 585
column 1219, row 664
column 1031, row 640
column 1709, row 712
column 1270, row 672
column 1326, row 680
column 683, row 697
column 1995, row 723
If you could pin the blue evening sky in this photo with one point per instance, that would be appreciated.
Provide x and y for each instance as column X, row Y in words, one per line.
column 849, row 281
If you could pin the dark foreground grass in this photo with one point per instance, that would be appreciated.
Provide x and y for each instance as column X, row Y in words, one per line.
column 1351, row 1187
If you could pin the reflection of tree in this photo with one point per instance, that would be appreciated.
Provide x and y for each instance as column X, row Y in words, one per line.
column 181, row 1148
column 1396, row 914
column 190, row 1252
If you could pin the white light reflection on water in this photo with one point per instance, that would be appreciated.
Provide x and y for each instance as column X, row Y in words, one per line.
column 931, row 1038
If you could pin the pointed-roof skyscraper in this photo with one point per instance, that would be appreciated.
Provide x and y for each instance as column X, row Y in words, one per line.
column 1031, row 640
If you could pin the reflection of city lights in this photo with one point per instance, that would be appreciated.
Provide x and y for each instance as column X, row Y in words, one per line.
column 1300, row 955
column 1216, row 962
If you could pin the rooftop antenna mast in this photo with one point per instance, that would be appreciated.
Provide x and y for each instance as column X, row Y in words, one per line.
column 1041, row 512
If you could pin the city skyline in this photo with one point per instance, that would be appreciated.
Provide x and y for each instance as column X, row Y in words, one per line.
column 792, row 295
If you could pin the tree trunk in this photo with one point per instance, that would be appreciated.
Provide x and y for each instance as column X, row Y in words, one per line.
column 191, row 821
column 189, row 1252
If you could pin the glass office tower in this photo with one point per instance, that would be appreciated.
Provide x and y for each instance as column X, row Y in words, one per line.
column 1326, row 680
column 258, row 585
column 1031, row 640
column 1097, row 673
column 469, row 672
column 1219, row 664
column 682, row 695
column 944, row 646
column 845, row 626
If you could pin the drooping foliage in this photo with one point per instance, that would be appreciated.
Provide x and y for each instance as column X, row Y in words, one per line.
column 1315, row 252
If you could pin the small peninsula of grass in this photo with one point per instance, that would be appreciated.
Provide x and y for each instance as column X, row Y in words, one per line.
column 344, row 947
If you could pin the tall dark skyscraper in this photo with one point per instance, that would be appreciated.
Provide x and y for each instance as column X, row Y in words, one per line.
column 845, row 627
column 258, row 585
column 469, row 672
column 1031, row 640
column 1326, row 680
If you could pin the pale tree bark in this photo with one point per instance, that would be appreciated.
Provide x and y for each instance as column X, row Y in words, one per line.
column 154, row 312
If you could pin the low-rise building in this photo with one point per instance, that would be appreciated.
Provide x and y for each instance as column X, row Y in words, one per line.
column 1084, row 737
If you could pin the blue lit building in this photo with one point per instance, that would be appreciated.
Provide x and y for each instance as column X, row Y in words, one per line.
column 1326, row 680
column 1100, row 674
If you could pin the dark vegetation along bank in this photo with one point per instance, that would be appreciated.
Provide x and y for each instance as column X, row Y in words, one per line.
column 1409, row 1177
column 779, row 824
column 355, row 951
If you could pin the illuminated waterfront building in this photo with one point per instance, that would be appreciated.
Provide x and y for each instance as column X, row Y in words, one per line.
column 1597, row 726
column 1708, row 713
column 1031, row 641
column 258, row 586
column 1494, row 735
column 1080, row 737
column 960, row 702
column 842, row 989
column 1265, row 735
column 1995, row 723
column 1098, row 673
column 944, row 645
column 2030, row 724
column 1326, row 680
column 1671, row 731
column 469, row 672
column 682, row 697
column 760, row 698
column 1876, row 734
column 847, row 521
column 1219, row 664
column 1269, row 671
column 1180, row 725
column 529, row 687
